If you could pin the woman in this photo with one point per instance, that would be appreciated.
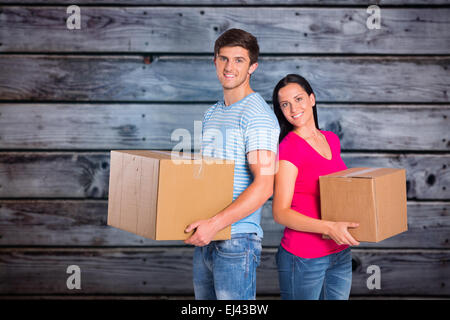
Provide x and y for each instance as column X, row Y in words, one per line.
column 309, row 267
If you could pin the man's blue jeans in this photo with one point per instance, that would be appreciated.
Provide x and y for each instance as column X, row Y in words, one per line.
column 226, row 270
column 324, row 278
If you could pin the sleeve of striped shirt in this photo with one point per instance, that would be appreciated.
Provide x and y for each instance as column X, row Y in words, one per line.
column 205, row 114
column 261, row 133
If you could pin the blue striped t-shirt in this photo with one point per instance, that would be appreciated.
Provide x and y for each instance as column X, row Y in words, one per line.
column 230, row 132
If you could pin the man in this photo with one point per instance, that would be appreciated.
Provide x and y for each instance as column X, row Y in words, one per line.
column 242, row 128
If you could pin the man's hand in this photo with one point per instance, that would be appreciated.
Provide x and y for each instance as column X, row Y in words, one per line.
column 205, row 230
column 262, row 167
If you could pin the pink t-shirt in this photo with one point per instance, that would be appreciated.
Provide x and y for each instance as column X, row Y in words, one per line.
column 306, row 198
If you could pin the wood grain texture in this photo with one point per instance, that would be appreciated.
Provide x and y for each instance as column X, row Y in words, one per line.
column 83, row 223
column 95, row 126
column 86, row 174
column 233, row 2
column 169, row 271
column 151, row 126
column 194, row 29
column 139, row 69
column 193, row 78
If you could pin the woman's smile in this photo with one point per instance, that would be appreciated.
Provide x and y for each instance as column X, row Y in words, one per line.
column 297, row 115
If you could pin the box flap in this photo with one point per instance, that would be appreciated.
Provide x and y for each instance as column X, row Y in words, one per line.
column 351, row 172
column 146, row 153
column 363, row 172
column 159, row 154
column 172, row 155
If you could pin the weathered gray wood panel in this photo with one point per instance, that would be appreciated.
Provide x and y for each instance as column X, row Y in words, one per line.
column 86, row 174
column 96, row 127
column 194, row 30
column 43, row 175
column 181, row 78
column 426, row 174
column 162, row 268
column 235, row 2
column 83, row 223
column 168, row 271
column 150, row 126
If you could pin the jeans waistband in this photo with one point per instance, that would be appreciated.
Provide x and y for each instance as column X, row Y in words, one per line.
column 252, row 235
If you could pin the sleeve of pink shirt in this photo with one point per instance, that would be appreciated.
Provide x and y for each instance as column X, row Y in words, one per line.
column 289, row 152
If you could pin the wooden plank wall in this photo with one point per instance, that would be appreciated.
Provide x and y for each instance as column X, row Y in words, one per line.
column 138, row 70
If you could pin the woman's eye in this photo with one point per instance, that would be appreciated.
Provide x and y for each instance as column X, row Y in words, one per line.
column 299, row 99
column 284, row 105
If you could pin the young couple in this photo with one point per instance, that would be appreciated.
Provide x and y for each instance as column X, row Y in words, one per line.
column 309, row 267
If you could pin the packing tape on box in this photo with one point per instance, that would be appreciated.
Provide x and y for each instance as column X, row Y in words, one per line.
column 355, row 173
column 198, row 172
column 198, row 165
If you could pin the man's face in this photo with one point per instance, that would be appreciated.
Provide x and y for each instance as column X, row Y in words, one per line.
column 233, row 67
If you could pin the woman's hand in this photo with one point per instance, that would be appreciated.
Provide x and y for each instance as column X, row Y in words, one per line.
column 338, row 231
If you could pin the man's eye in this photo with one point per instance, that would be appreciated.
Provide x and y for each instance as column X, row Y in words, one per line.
column 299, row 99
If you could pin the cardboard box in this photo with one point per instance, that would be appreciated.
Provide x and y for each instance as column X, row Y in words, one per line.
column 373, row 197
column 155, row 195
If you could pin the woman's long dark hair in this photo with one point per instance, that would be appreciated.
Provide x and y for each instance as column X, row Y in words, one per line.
column 285, row 126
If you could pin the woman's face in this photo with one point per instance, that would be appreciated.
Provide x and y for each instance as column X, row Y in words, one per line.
column 296, row 105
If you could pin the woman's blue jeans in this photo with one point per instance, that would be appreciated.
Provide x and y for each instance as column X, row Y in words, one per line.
column 226, row 270
column 324, row 278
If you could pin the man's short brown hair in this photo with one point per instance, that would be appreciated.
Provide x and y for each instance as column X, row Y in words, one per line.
column 238, row 38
